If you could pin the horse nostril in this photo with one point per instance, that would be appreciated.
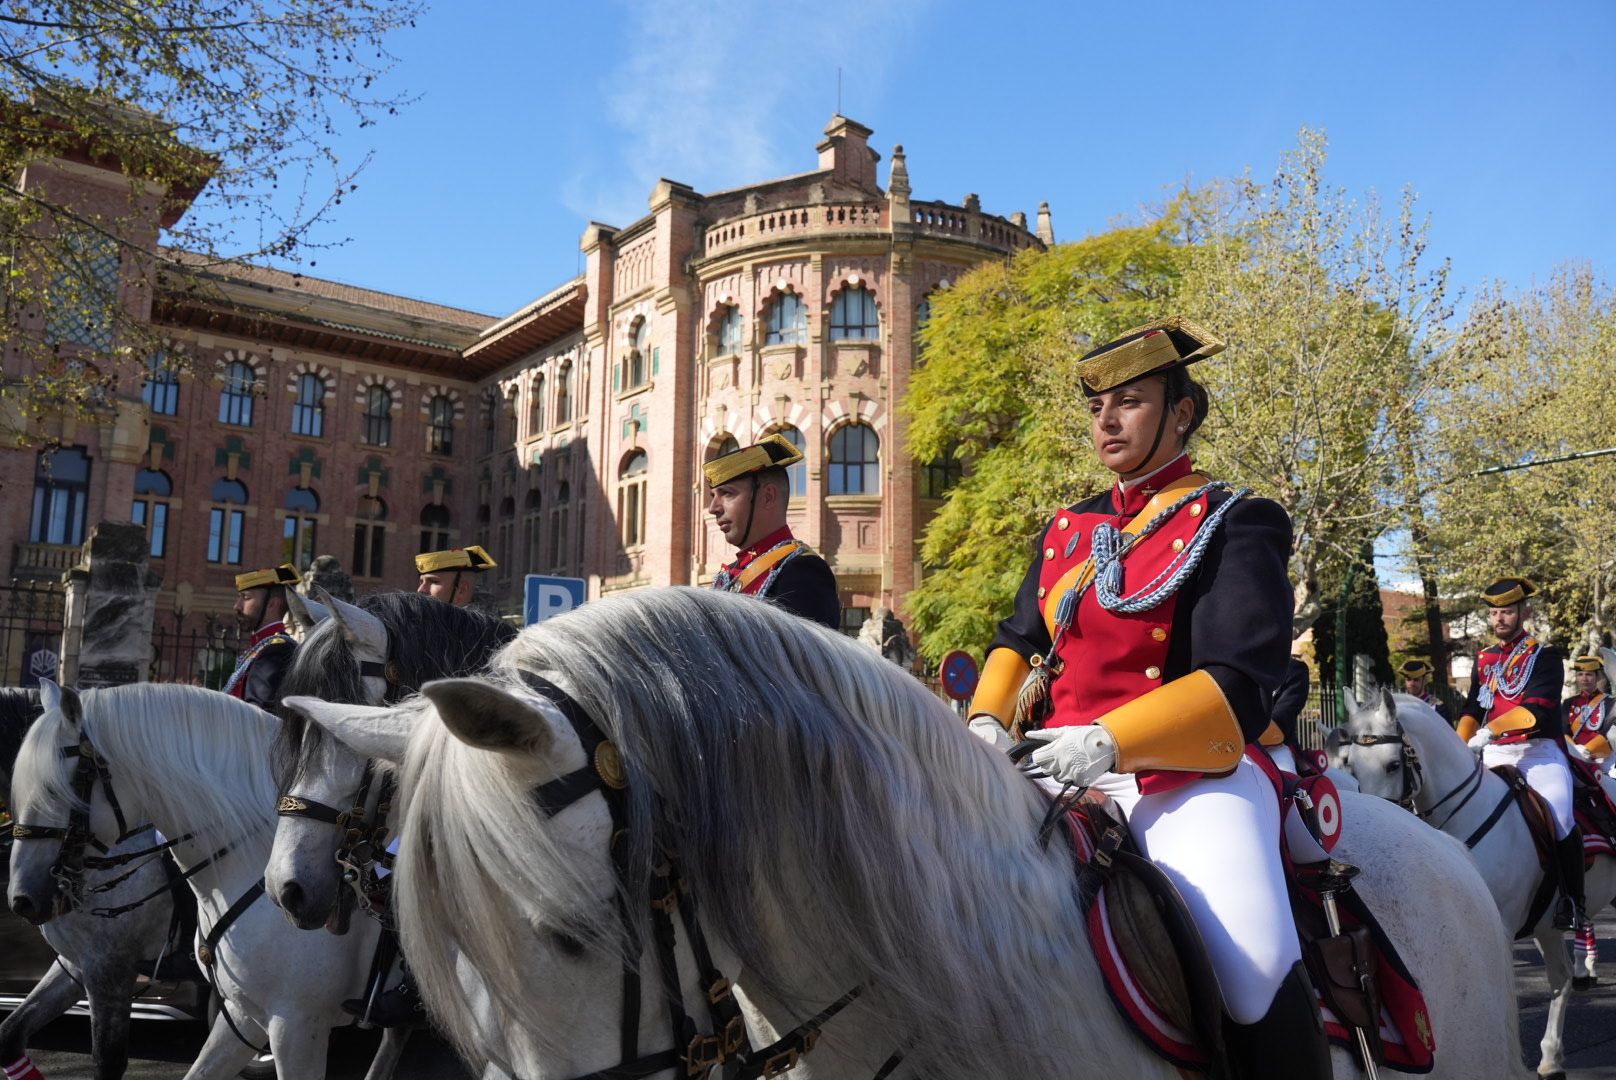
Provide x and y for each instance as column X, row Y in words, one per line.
column 291, row 898
column 21, row 905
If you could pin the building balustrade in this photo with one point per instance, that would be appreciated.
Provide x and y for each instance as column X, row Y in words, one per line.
column 44, row 561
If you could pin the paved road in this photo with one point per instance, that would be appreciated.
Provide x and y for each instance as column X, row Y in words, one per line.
column 162, row 1051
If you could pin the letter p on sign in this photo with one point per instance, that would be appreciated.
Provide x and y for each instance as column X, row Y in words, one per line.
column 550, row 596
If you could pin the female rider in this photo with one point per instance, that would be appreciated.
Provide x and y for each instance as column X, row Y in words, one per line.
column 1158, row 655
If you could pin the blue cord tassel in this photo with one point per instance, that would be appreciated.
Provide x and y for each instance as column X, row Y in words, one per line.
column 1064, row 610
column 1111, row 577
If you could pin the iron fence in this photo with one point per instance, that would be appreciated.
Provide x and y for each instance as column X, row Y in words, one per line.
column 201, row 655
column 31, row 615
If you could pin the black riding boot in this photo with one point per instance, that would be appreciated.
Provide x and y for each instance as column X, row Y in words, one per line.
column 1573, row 907
column 1289, row 1042
column 398, row 1007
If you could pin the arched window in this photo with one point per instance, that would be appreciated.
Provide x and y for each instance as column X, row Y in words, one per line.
column 379, row 416
column 639, row 355
column 853, row 316
column 150, row 509
column 236, row 399
column 563, row 402
column 490, row 418
column 161, row 391
column 788, row 321
column 798, row 472
column 226, row 522
column 942, row 473
column 308, row 411
column 434, row 527
column 725, row 445
column 297, row 531
column 532, row 518
column 855, row 461
column 505, row 531
column 632, row 480
column 559, row 548
column 535, row 406
column 440, row 429
column 729, row 332
column 370, row 538
column 61, row 489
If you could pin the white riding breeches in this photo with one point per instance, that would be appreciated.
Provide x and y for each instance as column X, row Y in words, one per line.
column 1544, row 765
column 1217, row 838
column 1283, row 759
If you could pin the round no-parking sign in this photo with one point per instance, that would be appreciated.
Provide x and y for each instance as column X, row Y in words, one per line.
column 959, row 674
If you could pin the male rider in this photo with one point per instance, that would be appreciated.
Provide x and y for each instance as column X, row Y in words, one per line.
column 261, row 611
column 1416, row 675
column 451, row 576
column 1587, row 712
column 1512, row 715
column 749, row 492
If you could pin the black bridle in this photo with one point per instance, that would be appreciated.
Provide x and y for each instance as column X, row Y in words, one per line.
column 1413, row 774
column 697, row 1053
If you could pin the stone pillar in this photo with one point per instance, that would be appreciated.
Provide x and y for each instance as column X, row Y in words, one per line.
column 107, row 632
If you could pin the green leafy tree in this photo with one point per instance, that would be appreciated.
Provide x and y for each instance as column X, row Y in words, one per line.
column 227, row 107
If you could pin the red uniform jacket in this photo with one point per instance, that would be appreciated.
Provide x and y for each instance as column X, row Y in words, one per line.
column 1499, row 667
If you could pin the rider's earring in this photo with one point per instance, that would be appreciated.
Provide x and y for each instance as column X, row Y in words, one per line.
column 1181, row 429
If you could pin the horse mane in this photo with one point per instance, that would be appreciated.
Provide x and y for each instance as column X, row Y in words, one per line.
column 18, row 709
column 426, row 638
column 194, row 757
column 806, row 784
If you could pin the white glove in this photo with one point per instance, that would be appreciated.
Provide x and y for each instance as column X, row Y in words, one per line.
column 987, row 728
column 1480, row 738
column 1075, row 755
column 1578, row 750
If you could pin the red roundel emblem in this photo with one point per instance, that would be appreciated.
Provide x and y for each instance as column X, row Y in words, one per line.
column 1326, row 810
column 1318, row 759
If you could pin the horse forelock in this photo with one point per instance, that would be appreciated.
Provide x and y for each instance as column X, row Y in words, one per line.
column 323, row 666
column 766, row 750
column 195, row 759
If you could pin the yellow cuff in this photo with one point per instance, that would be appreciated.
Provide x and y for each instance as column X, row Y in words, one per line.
column 1519, row 718
column 999, row 686
column 1467, row 727
column 1598, row 747
column 1271, row 736
column 1182, row 726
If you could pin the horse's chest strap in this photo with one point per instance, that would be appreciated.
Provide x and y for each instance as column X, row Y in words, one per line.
column 207, row 952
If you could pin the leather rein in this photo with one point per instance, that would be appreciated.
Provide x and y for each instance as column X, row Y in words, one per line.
column 1413, row 774
column 1470, row 785
column 695, row 1053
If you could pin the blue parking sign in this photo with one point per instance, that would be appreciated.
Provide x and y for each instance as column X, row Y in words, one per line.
column 547, row 596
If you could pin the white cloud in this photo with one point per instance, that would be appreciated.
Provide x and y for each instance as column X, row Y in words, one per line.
column 700, row 92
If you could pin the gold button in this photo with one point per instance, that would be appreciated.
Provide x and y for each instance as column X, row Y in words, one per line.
column 1178, row 545
column 1195, row 510
column 1153, row 672
column 1049, row 553
column 1041, row 591
column 1158, row 634
column 1062, row 523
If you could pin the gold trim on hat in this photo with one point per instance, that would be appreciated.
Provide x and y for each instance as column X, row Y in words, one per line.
column 1111, row 367
column 284, row 574
column 1519, row 589
column 1587, row 663
column 471, row 558
column 772, row 451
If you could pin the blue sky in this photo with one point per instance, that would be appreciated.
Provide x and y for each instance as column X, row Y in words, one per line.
column 534, row 118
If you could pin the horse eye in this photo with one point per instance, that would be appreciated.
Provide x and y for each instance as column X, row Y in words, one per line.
column 1393, row 766
column 566, row 944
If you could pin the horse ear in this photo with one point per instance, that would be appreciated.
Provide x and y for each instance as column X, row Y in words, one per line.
column 305, row 613
column 72, row 707
column 485, row 716
column 374, row 731
column 356, row 622
column 1387, row 705
column 1332, row 740
column 1351, row 702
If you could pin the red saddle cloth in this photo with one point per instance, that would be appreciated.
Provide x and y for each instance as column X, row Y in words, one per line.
column 1594, row 811
column 1170, row 1027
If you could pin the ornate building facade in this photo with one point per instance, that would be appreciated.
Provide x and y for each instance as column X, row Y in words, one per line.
column 318, row 418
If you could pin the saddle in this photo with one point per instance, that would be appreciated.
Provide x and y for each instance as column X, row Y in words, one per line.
column 1156, row 968
column 1540, row 825
column 1594, row 811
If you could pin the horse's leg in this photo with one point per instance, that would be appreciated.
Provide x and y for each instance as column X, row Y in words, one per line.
column 52, row 996
column 223, row 1055
column 299, row 1044
column 1557, row 967
column 388, row 1053
column 109, row 1022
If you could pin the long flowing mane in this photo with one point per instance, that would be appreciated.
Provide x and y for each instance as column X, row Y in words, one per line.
column 194, row 758
column 426, row 639
column 806, row 783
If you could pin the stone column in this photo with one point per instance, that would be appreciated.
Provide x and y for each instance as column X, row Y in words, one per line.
column 107, row 633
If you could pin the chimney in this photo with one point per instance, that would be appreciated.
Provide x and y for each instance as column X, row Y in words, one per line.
column 1046, row 228
column 845, row 150
column 898, row 187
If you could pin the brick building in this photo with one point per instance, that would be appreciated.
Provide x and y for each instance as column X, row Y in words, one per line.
column 566, row 437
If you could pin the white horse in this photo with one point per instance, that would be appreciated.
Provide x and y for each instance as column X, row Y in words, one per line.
column 98, row 958
column 1456, row 795
column 194, row 763
column 836, row 828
